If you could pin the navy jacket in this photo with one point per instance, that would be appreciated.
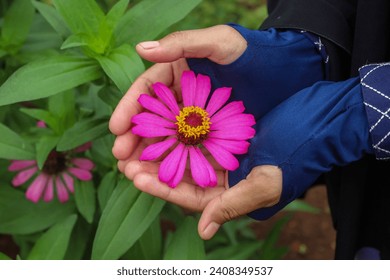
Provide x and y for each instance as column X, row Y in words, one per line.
column 355, row 33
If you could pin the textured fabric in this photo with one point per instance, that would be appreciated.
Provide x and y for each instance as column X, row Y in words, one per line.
column 356, row 33
column 375, row 80
column 317, row 128
column 275, row 65
column 328, row 18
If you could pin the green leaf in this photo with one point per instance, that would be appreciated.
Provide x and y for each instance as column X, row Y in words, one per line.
column 300, row 205
column 242, row 251
column 52, row 245
column 53, row 18
column 4, row 257
column 75, row 40
column 2, row 53
column 86, row 17
column 83, row 132
column 136, row 25
column 85, row 196
column 79, row 242
column 41, row 115
column 47, row 77
column 45, row 145
column 21, row 216
column 269, row 250
column 186, row 243
column 25, row 243
column 17, row 23
column 106, row 187
column 123, row 66
column 41, row 38
column 127, row 215
column 149, row 245
column 62, row 106
column 81, row 16
column 99, row 152
column 110, row 95
column 116, row 13
column 12, row 146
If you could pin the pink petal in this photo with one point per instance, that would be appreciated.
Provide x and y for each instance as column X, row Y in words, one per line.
column 234, row 121
column 23, row 176
column 49, row 191
column 83, row 163
column 154, row 151
column 212, row 174
column 155, row 106
column 166, row 96
column 239, row 147
column 188, row 87
column 218, row 99
column 83, row 175
column 35, row 190
column 169, row 165
column 222, row 156
column 62, row 193
column 41, row 124
column 239, row 133
column 148, row 131
column 83, row 147
column 203, row 87
column 233, row 108
column 69, row 182
column 21, row 164
column 180, row 170
column 199, row 170
column 153, row 119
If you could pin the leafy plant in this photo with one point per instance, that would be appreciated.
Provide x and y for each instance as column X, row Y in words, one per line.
column 64, row 65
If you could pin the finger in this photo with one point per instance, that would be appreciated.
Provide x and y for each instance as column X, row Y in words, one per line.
column 134, row 167
column 124, row 145
column 221, row 44
column 185, row 195
column 128, row 106
column 261, row 188
column 122, row 165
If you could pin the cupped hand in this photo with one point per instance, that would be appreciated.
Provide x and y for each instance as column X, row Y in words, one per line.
column 221, row 44
column 261, row 188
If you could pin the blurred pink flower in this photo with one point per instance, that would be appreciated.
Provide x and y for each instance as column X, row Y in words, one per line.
column 201, row 122
column 58, row 172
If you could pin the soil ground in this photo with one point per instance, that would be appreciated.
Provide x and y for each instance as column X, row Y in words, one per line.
column 308, row 236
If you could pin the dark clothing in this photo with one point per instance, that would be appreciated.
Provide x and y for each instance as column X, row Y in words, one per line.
column 355, row 33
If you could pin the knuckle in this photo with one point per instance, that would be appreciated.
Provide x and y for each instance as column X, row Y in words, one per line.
column 178, row 35
column 146, row 82
column 229, row 213
column 230, row 44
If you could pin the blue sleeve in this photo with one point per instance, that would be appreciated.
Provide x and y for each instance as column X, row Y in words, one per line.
column 275, row 65
column 316, row 129
column 375, row 81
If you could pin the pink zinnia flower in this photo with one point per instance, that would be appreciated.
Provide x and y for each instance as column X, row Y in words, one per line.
column 58, row 172
column 200, row 122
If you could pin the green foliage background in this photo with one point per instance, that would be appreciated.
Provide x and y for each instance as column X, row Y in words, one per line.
column 68, row 63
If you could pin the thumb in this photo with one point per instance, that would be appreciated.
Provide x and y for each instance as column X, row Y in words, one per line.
column 261, row 188
column 221, row 44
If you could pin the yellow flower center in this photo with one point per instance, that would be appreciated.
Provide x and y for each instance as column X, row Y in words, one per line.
column 193, row 125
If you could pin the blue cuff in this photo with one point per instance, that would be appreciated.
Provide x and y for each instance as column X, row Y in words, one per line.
column 305, row 136
column 375, row 81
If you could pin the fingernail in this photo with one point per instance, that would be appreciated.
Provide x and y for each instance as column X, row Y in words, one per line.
column 148, row 45
column 210, row 230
